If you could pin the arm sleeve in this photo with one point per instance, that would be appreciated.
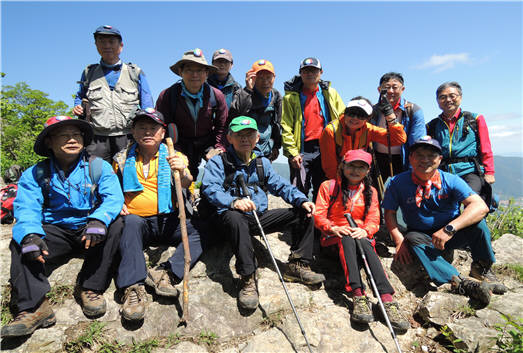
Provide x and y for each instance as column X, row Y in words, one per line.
column 146, row 98
column 322, row 204
column 329, row 161
column 235, row 110
column 27, row 207
column 212, row 184
column 379, row 134
column 276, row 129
column 460, row 189
column 81, row 91
column 339, row 106
column 110, row 194
column 417, row 129
column 487, row 157
column 220, row 120
column 281, row 187
column 163, row 105
column 289, row 114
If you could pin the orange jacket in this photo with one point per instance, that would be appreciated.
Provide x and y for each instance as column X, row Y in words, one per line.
column 336, row 217
column 361, row 139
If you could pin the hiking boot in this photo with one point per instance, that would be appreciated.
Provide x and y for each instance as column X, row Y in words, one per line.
column 26, row 322
column 396, row 318
column 248, row 294
column 471, row 288
column 482, row 271
column 134, row 299
column 162, row 281
column 361, row 312
column 299, row 271
column 93, row 302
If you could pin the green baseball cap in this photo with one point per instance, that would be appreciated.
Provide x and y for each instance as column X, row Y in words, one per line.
column 242, row 122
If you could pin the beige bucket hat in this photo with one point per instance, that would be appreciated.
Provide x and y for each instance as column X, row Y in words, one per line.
column 192, row 56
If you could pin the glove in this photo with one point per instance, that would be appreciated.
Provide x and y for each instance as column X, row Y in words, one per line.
column 33, row 246
column 94, row 232
column 384, row 106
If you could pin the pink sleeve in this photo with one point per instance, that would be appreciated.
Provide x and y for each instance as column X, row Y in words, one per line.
column 486, row 150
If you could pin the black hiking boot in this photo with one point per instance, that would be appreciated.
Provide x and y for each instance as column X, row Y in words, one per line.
column 471, row 288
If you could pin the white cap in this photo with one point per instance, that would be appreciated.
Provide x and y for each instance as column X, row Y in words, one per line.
column 361, row 103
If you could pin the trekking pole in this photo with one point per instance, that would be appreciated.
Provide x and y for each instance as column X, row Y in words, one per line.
column 173, row 135
column 246, row 193
column 353, row 224
column 383, row 95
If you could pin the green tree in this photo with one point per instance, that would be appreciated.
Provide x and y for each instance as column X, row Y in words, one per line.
column 23, row 111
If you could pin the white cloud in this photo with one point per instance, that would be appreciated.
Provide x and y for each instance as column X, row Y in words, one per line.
column 445, row 61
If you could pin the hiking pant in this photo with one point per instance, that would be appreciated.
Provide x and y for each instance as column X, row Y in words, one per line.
column 310, row 173
column 352, row 262
column 476, row 237
column 29, row 278
column 242, row 226
column 106, row 147
column 140, row 232
column 195, row 149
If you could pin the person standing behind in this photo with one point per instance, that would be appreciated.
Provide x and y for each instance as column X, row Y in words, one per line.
column 198, row 110
column 353, row 131
column 308, row 106
column 222, row 78
column 407, row 113
column 464, row 140
column 260, row 101
column 109, row 94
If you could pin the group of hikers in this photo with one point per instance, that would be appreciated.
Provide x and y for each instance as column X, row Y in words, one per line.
column 106, row 187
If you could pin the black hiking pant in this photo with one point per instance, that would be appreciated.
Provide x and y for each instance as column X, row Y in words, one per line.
column 240, row 227
column 29, row 278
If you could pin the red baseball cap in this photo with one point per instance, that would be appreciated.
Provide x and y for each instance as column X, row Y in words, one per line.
column 357, row 155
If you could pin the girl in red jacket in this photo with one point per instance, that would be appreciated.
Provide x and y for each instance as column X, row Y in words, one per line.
column 352, row 192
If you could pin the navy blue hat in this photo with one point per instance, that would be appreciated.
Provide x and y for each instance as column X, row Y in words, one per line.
column 150, row 113
column 310, row 62
column 107, row 30
column 426, row 141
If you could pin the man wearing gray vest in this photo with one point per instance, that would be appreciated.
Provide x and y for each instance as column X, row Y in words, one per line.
column 109, row 94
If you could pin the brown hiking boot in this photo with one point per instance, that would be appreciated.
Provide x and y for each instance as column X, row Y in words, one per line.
column 299, row 271
column 26, row 322
column 361, row 312
column 396, row 318
column 93, row 302
column 162, row 281
column 482, row 270
column 134, row 299
column 248, row 294
column 471, row 288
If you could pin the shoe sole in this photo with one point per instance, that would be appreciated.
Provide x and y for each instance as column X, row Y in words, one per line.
column 133, row 317
column 95, row 312
column 289, row 278
column 149, row 281
column 247, row 307
column 46, row 322
column 361, row 320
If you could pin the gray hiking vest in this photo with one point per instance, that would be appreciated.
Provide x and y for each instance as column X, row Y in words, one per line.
column 111, row 110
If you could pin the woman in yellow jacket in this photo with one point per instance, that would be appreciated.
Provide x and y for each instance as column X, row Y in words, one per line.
column 352, row 192
column 353, row 131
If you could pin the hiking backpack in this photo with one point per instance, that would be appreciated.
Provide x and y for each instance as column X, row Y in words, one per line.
column 43, row 178
column 7, row 197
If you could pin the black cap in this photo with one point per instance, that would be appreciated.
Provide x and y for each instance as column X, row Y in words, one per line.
column 426, row 141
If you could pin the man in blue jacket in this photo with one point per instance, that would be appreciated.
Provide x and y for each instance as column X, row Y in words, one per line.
column 64, row 204
column 234, row 211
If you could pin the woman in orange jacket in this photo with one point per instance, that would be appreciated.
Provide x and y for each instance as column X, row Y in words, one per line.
column 352, row 192
column 353, row 131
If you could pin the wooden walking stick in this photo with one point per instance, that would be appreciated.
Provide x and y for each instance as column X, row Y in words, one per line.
column 171, row 139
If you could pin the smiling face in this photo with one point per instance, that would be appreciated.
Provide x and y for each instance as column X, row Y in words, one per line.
column 244, row 140
column 310, row 76
column 147, row 133
column 355, row 171
column 66, row 142
column 109, row 47
column 355, row 119
column 264, row 81
column 424, row 161
column 449, row 101
column 193, row 76
column 394, row 89
column 224, row 67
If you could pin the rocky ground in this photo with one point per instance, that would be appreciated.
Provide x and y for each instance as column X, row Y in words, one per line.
column 216, row 325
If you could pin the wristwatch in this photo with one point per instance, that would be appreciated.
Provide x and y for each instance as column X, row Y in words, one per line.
column 450, row 230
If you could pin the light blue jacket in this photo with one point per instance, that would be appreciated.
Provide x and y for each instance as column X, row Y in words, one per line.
column 214, row 177
column 70, row 199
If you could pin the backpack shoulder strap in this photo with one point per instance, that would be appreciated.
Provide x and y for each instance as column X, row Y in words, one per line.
column 43, row 178
column 88, row 75
column 261, row 173
column 334, row 190
column 469, row 120
column 134, row 72
column 212, row 97
column 409, row 109
column 229, row 170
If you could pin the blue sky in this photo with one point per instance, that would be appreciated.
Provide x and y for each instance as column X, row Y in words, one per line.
column 478, row 44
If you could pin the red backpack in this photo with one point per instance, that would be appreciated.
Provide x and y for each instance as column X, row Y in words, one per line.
column 7, row 196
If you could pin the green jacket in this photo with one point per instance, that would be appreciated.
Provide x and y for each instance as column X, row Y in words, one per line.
column 292, row 113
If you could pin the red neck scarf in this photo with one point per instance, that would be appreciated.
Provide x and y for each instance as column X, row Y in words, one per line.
column 424, row 187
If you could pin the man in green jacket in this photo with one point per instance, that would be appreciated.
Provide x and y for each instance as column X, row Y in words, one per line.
column 308, row 106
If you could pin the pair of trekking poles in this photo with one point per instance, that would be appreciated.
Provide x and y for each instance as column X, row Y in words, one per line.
column 241, row 181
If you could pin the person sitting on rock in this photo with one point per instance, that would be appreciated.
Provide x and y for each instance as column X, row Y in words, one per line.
column 430, row 201
column 351, row 192
column 233, row 210
column 64, row 204
column 151, row 217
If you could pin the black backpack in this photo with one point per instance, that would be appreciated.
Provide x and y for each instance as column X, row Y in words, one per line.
column 7, row 197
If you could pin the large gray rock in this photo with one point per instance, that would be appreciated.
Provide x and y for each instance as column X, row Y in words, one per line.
column 508, row 249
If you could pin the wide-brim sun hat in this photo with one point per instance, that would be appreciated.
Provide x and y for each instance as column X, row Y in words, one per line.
column 56, row 122
column 194, row 56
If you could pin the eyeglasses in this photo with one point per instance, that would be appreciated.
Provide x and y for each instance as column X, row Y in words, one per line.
column 452, row 96
column 394, row 88
column 67, row 137
column 359, row 116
